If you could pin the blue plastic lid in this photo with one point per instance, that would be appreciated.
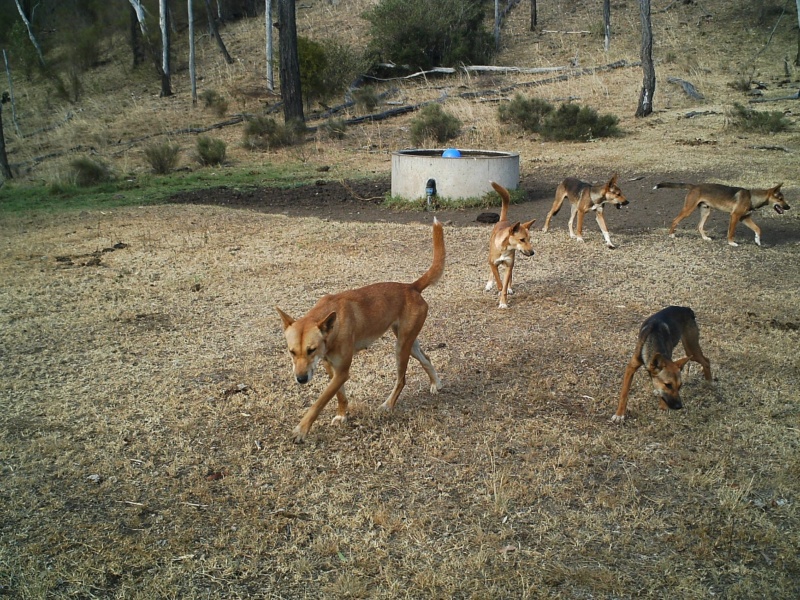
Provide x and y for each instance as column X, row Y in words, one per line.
column 451, row 153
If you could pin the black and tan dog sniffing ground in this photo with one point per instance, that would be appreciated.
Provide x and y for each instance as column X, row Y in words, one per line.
column 584, row 197
column 658, row 336
column 504, row 242
column 739, row 202
column 339, row 325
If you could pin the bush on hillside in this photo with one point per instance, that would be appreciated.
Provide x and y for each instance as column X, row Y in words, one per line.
column 264, row 133
column 756, row 121
column 577, row 123
column 88, row 171
column 210, row 151
column 429, row 33
column 162, row 158
column 528, row 113
column 434, row 123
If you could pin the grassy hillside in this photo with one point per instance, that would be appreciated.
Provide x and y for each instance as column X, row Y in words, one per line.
column 721, row 47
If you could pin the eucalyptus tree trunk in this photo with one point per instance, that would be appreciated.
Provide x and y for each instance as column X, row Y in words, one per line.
column 270, row 55
column 649, row 81
column 163, row 19
column 192, row 72
column 32, row 37
column 291, row 94
column 607, row 23
column 5, row 169
column 214, row 29
column 797, row 59
column 535, row 16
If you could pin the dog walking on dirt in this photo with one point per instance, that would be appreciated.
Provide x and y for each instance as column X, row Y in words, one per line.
column 339, row 325
column 504, row 242
column 658, row 336
column 739, row 202
column 584, row 197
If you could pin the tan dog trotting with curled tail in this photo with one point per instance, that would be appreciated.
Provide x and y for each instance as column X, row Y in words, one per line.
column 584, row 197
column 504, row 242
column 739, row 202
column 339, row 325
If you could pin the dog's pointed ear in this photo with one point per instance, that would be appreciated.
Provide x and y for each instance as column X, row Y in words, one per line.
column 777, row 187
column 657, row 363
column 527, row 224
column 287, row 320
column 680, row 363
column 514, row 228
column 326, row 324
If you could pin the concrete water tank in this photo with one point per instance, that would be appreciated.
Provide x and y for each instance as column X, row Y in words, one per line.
column 467, row 176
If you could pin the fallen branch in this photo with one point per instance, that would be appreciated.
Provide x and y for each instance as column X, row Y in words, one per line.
column 778, row 148
column 689, row 88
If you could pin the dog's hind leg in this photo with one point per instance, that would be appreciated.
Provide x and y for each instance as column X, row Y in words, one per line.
column 688, row 208
column 560, row 197
column 578, row 233
column 705, row 212
column 495, row 279
column 691, row 345
column 416, row 352
column 406, row 337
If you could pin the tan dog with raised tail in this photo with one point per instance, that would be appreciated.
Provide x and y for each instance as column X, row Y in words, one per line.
column 739, row 202
column 504, row 242
column 658, row 336
column 584, row 197
column 339, row 325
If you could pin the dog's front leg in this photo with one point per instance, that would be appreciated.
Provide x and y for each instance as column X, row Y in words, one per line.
column 506, row 288
column 601, row 223
column 622, row 407
column 341, row 398
column 579, row 225
column 301, row 431
column 495, row 278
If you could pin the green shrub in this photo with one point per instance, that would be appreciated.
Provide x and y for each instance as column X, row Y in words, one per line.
column 90, row 172
column 327, row 69
column 213, row 100
column 433, row 123
column 580, row 123
column 528, row 113
column 162, row 158
column 210, row 151
column 755, row 121
column 429, row 33
column 264, row 133
column 335, row 128
column 366, row 98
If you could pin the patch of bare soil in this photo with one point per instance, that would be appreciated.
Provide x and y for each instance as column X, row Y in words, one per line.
column 148, row 403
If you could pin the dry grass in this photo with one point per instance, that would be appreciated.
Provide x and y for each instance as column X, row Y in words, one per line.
column 147, row 397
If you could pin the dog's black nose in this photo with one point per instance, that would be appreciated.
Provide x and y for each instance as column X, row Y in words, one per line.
column 301, row 378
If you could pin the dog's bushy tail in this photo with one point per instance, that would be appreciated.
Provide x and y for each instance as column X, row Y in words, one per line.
column 673, row 185
column 433, row 274
column 506, row 200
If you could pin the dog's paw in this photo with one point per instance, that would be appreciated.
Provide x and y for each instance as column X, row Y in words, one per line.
column 672, row 236
column 578, row 239
column 385, row 407
column 758, row 240
column 502, row 305
column 619, row 419
column 734, row 244
column 338, row 419
column 435, row 387
column 611, row 246
column 489, row 286
column 298, row 435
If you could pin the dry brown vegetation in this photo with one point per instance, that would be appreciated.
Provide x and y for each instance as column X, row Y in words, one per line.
column 147, row 396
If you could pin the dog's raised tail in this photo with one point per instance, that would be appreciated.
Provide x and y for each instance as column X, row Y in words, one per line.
column 436, row 270
column 672, row 186
column 505, row 197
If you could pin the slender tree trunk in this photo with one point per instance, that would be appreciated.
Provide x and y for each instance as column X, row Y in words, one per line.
column 137, row 45
column 649, row 81
column 797, row 59
column 497, row 24
column 270, row 55
column 214, row 29
column 11, row 94
column 607, row 23
column 5, row 168
column 32, row 37
column 166, row 79
column 291, row 94
column 192, row 72
column 534, row 16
